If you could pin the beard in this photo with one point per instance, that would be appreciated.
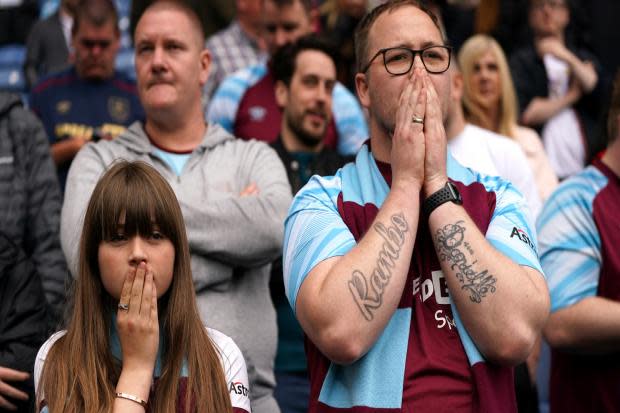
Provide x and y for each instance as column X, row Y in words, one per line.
column 307, row 138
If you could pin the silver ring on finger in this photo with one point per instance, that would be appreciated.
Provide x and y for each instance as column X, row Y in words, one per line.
column 123, row 306
column 417, row 119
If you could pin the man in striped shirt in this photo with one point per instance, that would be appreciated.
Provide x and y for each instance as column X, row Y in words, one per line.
column 579, row 231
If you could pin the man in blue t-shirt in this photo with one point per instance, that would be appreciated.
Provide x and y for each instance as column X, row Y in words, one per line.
column 89, row 100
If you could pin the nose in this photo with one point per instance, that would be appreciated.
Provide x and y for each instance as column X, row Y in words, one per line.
column 96, row 50
column 137, row 252
column 280, row 37
column 417, row 62
column 158, row 59
column 322, row 93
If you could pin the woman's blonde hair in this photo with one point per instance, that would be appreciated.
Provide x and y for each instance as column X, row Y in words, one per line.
column 80, row 372
column 472, row 50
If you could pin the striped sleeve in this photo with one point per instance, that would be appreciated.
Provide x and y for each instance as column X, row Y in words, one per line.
column 224, row 104
column 350, row 121
column 570, row 245
column 314, row 232
column 511, row 230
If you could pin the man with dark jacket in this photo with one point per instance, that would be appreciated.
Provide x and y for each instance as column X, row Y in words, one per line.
column 559, row 88
column 305, row 75
column 30, row 198
column 49, row 42
column 23, row 315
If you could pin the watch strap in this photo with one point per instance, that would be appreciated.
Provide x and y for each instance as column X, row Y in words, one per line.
column 449, row 193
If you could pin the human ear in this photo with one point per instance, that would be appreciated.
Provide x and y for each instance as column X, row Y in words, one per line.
column 361, row 85
column 281, row 92
column 205, row 66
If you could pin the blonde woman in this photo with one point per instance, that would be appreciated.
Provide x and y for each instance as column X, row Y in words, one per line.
column 135, row 341
column 490, row 102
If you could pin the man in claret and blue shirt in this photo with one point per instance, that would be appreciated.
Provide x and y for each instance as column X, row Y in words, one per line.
column 579, row 236
column 415, row 279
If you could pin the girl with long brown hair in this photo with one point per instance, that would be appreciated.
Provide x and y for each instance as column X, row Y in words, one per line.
column 135, row 341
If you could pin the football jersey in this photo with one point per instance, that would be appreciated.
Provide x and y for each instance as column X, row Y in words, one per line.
column 424, row 360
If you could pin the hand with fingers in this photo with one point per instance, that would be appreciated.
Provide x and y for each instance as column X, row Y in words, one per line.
column 435, row 172
column 7, row 391
column 251, row 189
column 407, row 157
column 138, row 331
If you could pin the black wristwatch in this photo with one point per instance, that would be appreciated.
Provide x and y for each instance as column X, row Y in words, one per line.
column 449, row 193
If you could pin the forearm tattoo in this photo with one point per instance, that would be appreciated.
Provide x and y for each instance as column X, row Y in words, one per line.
column 452, row 249
column 367, row 290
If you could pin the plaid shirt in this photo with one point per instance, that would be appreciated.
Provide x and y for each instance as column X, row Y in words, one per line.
column 231, row 49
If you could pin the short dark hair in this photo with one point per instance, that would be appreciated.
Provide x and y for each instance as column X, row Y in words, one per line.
column 96, row 12
column 363, row 27
column 283, row 62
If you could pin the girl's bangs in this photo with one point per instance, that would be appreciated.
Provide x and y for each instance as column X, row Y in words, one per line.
column 134, row 205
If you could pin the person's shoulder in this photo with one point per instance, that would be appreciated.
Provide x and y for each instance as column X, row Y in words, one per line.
column 20, row 119
column 241, row 145
column 46, row 347
column 525, row 133
column 49, row 82
column 583, row 186
column 246, row 76
column 44, row 25
column 226, row 347
column 323, row 190
column 528, row 138
column 123, row 82
column 570, row 207
column 221, row 340
column 42, row 354
column 499, row 144
column 127, row 145
column 218, row 39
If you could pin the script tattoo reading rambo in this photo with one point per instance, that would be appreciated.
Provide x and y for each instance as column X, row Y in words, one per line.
column 367, row 290
column 452, row 248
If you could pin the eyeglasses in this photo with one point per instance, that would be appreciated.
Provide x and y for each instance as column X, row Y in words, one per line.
column 399, row 60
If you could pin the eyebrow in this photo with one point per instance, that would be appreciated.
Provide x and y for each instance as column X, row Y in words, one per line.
column 424, row 45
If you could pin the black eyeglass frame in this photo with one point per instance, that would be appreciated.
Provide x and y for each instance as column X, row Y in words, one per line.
column 413, row 53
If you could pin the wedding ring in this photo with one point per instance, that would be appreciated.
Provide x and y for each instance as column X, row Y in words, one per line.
column 124, row 307
column 416, row 119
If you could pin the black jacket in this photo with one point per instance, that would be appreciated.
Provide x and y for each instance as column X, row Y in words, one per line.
column 326, row 163
column 23, row 315
column 530, row 79
column 30, row 197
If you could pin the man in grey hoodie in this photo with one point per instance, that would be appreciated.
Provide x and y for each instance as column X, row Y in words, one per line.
column 234, row 194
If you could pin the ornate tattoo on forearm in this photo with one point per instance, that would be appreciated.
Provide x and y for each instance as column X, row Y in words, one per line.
column 367, row 290
column 452, row 249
